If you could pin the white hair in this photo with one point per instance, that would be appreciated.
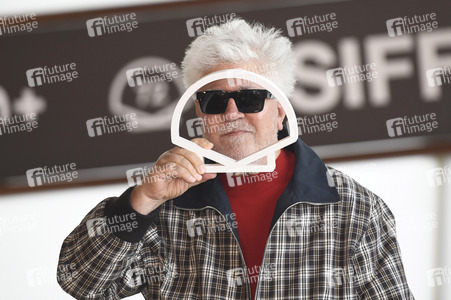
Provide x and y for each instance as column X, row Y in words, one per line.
column 239, row 42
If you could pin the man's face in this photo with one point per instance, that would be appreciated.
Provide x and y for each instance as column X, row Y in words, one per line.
column 247, row 132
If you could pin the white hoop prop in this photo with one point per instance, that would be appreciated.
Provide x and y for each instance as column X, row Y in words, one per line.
column 227, row 164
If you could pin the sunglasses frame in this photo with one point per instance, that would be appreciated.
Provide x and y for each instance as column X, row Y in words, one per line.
column 205, row 97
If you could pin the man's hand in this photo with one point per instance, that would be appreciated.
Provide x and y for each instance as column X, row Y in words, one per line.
column 175, row 172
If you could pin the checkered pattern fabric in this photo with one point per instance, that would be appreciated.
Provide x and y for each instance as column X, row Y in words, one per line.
column 340, row 249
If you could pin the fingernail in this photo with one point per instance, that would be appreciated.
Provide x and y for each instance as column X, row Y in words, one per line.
column 202, row 169
column 192, row 179
column 199, row 177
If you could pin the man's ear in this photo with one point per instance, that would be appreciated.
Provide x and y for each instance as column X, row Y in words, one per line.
column 280, row 116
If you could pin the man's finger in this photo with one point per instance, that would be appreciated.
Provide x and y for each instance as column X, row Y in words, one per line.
column 204, row 143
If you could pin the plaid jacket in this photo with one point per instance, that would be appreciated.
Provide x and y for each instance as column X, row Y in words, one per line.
column 330, row 238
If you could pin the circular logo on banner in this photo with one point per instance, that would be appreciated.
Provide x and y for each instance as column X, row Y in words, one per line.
column 148, row 87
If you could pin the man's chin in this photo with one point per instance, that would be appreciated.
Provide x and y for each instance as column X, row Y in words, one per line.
column 236, row 154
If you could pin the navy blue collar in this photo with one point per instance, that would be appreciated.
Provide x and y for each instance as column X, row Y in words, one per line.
column 309, row 184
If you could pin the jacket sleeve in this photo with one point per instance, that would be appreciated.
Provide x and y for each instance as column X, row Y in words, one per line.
column 377, row 266
column 100, row 259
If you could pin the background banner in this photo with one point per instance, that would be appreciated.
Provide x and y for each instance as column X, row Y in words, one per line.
column 95, row 92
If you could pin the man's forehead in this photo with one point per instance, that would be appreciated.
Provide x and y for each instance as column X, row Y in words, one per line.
column 230, row 85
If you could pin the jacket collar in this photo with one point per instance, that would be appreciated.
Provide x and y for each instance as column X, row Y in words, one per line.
column 309, row 184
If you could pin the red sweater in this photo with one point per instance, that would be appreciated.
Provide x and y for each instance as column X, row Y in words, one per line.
column 253, row 198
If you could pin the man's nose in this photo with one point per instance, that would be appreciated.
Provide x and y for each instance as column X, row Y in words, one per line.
column 232, row 111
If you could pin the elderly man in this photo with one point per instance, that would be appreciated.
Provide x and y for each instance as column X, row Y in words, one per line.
column 295, row 233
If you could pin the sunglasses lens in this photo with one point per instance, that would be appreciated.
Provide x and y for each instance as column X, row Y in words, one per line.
column 250, row 101
column 212, row 102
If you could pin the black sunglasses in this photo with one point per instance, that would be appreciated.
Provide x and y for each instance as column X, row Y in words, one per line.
column 247, row 101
